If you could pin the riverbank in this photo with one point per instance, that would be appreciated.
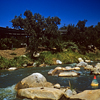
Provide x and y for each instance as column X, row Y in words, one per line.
column 19, row 57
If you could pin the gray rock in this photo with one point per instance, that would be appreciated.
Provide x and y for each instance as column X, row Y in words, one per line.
column 68, row 93
column 82, row 64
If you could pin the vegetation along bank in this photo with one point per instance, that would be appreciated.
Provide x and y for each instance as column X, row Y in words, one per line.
column 77, row 41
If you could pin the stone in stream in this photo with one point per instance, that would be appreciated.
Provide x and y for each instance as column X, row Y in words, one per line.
column 96, row 69
column 68, row 68
column 57, row 86
column 82, row 64
column 68, row 74
column 80, row 60
column 12, row 68
column 56, row 71
column 89, row 67
column 87, row 95
column 76, row 68
column 40, row 94
column 34, row 80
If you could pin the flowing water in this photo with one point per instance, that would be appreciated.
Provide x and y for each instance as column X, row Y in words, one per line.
column 8, row 80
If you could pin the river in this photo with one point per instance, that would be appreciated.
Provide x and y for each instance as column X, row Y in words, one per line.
column 8, row 80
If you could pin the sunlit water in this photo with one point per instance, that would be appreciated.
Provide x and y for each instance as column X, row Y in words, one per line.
column 8, row 80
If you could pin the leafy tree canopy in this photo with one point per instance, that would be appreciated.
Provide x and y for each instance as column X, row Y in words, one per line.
column 44, row 31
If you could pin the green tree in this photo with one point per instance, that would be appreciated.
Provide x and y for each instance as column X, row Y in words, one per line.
column 43, row 31
column 81, row 25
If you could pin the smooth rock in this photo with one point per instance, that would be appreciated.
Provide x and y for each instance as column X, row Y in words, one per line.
column 36, row 54
column 88, row 67
column 76, row 68
column 87, row 61
column 33, row 80
column 58, row 62
column 80, row 60
column 68, row 74
column 24, row 65
column 42, row 65
column 57, row 70
column 23, row 56
column 97, row 65
column 57, row 86
column 82, row 64
column 50, row 72
column 38, row 93
column 68, row 68
column 87, row 95
column 68, row 93
column 12, row 68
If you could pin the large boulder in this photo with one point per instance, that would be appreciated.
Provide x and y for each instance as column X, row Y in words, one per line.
column 68, row 74
column 34, row 80
column 87, row 95
column 41, row 94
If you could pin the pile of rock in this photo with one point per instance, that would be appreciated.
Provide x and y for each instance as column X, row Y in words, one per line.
column 96, row 69
column 64, row 71
column 36, row 87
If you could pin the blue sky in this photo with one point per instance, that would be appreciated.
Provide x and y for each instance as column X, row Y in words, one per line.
column 69, row 11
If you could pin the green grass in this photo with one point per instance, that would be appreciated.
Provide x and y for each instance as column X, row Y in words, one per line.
column 66, row 57
column 16, row 62
column 49, row 58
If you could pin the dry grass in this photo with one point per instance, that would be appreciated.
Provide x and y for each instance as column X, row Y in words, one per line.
column 17, row 51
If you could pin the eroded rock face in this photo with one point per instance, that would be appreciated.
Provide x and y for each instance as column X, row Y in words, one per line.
column 34, row 80
column 41, row 94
